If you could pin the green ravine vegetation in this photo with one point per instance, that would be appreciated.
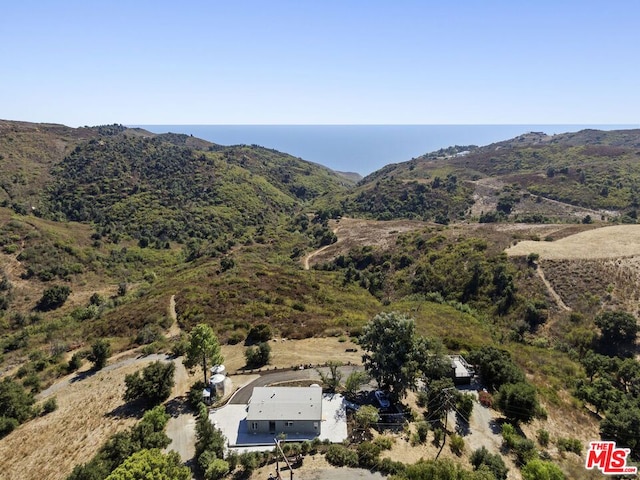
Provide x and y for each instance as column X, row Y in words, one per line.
column 100, row 226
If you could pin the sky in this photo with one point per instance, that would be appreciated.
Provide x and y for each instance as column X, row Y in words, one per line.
column 320, row 62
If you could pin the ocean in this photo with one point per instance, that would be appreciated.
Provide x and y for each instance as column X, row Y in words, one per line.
column 363, row 148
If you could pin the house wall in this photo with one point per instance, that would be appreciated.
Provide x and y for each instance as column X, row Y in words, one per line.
column 299, row 426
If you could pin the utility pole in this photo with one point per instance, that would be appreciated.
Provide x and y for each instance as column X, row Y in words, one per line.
column 447, row 407
column 286, row 460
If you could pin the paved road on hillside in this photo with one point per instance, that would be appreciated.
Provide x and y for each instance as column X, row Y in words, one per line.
column 243, row 395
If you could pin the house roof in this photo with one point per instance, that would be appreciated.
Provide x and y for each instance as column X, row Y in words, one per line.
column 285, row 403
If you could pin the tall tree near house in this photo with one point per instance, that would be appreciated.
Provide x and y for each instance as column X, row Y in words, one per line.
column 203, row 347
column 389, row 343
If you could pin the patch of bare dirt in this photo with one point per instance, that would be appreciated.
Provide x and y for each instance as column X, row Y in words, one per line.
column 607, row 242
column 356, row 232
column 288, row 353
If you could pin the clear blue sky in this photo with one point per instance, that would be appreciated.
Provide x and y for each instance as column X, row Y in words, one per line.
column 320, row 62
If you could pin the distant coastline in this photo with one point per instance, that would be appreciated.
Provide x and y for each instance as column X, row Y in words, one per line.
column 364, row 148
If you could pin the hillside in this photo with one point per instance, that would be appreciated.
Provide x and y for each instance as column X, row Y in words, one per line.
column 533, row 178
column 153, row 188
column 494, row 248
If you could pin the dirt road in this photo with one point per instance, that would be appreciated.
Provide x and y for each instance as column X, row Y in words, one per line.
column 181, row 428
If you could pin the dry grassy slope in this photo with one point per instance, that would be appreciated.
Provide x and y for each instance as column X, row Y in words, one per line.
column 355, row 232
column 27, row 152
column 591, row 270
column 88, row 409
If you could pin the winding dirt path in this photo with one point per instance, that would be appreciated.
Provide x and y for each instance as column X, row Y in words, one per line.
column 307, row 258
column 174, row 330
column 551, row 291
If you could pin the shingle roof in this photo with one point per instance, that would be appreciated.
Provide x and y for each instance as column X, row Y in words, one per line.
column 285, row 403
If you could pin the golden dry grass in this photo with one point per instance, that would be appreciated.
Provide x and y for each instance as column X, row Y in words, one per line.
column 289, row 353
column 49, row 447
column 607, row 242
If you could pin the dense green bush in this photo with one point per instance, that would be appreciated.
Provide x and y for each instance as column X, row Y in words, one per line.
column 16, row 405
column 258, row 356
column 53, row 297
column 261, row 332
column 153, row 386
column 368, row 453
column 50, row 405
column 100, row 351
column 340, row 456
column 494, row 462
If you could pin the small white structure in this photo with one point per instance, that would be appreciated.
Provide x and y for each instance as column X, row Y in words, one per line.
column 218, row 370
column 217, row 384
column 206, row 396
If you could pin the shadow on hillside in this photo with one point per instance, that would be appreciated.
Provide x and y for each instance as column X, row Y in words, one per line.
column 133, row 409
column 83, row 375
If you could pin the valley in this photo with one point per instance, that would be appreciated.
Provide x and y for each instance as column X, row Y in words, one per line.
column 522, row 256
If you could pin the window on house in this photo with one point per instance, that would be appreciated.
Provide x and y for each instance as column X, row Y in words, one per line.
column 288, row 424
column 254, row 425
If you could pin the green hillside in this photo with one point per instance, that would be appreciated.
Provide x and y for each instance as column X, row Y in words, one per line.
column 591, row 169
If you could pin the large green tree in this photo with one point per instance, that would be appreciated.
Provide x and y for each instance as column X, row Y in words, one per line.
column 618, row 331
column 203, row 347
column 153, row 386
column 390, row 352
column 151, row 464
column 518, row 401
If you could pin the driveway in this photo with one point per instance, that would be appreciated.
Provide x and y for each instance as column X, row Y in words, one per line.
column 243, row 395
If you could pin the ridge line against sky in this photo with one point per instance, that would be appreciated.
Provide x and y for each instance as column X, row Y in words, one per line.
column 410, row 62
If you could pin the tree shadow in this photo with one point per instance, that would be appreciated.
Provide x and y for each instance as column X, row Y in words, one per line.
column 134, row 409
column 83, row 375
column 462, row 425
column 178, row 406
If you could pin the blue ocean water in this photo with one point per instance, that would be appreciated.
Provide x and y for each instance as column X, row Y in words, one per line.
column 363, row 148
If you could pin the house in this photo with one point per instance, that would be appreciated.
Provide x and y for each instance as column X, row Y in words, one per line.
column 461, row 371
column 288, row 410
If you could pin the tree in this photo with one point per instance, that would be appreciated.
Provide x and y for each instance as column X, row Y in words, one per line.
column 390, row 357
column 100, row 351
column 354, row 381
column 203, row 346
column 151, row 464
column 432, row 361
column 332, row 378
column 208, row 438
column 259, row 333
column 153, row 386
column 216, row 469
column 618, row 331
column 53, row 297
column 622, row 424
column 494, row 463
column 496, row 367
column 542, row 470
column 16, row 405
column 518, row 401
column 367, row 415
column 258, row 355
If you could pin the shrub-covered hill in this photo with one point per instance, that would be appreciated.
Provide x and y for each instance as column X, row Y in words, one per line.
column 153, row 188
column 592, row 169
